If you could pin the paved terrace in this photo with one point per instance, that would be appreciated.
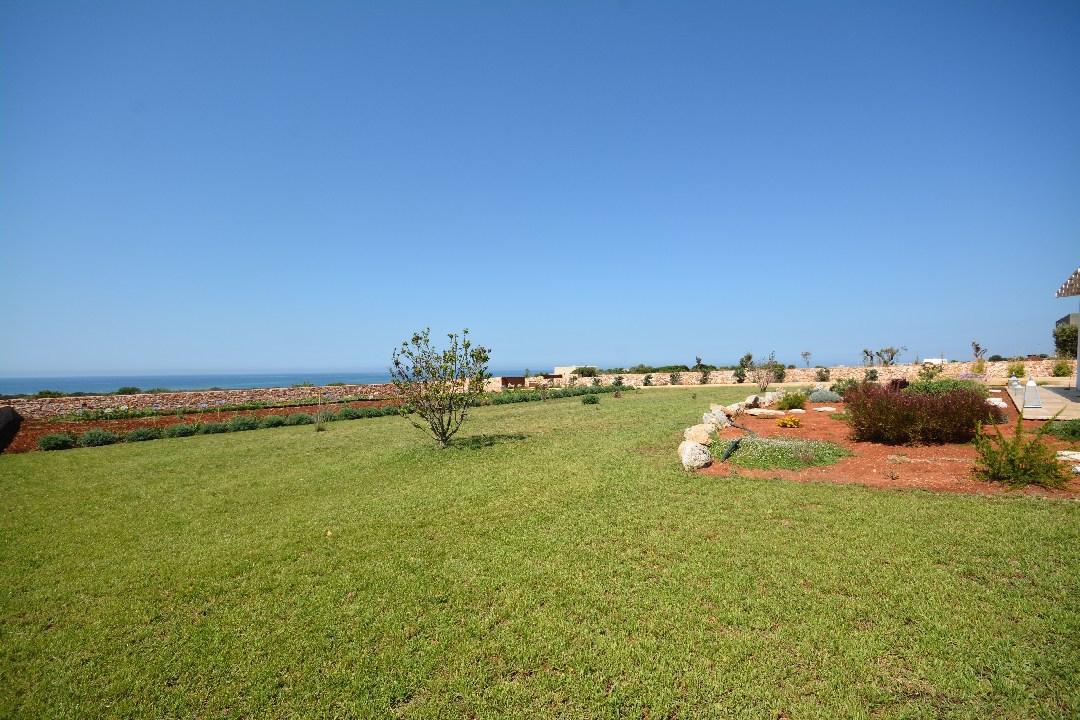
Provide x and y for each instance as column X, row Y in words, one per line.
column 1054, row 399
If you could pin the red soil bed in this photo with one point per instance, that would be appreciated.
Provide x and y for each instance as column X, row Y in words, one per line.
column 941, row 468
column 31, row 430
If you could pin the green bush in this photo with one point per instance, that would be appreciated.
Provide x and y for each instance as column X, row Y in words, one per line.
column 181, row 430
column 618, row 381
column 941, row 385
column 1019, row 460
column 674, row 378
column 1064, row 429
column 213, row 428
column 128, row 390
column 825, row 396
column 586, row 371
column 841, row 387
column 871, row 375
column 142, row 434
column 1015, row 368
column 791, row 401
column 272, row 421
column 928, row 372
column 779, row 372
column 1062, row 369
column 243, row 422
column 590, row 400
column 97, row 438
column 996, row 358
column 299, row 419
column 56, row 441
column 822, row 374
column 647, row 380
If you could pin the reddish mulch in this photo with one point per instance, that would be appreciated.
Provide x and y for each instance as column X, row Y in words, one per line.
column 941, row 468
column 31, row 430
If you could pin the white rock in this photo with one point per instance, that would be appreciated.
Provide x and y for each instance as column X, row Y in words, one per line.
column 1071, row 455
column 763, row 413
column 1076, row 469
column 701, row 434
column 694, row 455
column 715, row 419
column 796, row 411
column 824, row 408
column 733, row 409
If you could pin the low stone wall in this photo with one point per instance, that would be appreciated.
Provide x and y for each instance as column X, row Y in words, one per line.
column 44, row 408
column 993, row 370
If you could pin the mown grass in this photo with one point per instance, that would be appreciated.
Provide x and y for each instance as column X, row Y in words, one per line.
column 554, row 561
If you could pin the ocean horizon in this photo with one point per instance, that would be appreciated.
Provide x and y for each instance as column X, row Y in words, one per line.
column 193, row 381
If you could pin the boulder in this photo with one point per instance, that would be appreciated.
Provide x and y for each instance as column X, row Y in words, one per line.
column 1070, row 455
column 699, row 434
column 763, row 413
column 694, row 455
column 733, row 409
column 752, row 401
column 716, row 419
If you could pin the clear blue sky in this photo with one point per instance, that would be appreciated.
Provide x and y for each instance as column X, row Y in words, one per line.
column 297, row 186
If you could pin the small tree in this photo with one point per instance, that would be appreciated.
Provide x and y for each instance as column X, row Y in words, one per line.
column 1065, row 340
column 806, row 355
column 764, row 373
column 745, row 363
column 439, row 385
column 674, row 378
column 867, row 357
column 977, row 350
column 887, row 355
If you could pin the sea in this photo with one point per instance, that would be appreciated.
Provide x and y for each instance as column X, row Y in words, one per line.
column 228, row 381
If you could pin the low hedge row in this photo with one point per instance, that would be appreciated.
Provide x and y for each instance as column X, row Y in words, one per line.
column 879, row 414
column 118, row 414
column 97, row 437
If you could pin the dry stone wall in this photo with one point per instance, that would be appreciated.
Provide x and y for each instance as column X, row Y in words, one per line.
column 44, row 408
column 993, row 370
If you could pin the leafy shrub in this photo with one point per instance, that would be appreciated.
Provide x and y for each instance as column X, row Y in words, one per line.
column 979, row 367
column 1064, row 429
column 745, row 363
column 1065, row 340
column 893, row 418
column 788, row 421
column 897, row 384
column 299, row 419
column 181, row 430
column 142, row 434
column 940, row 386
column 56, row 441
column 346, row 413
column 674, row 378
column 243, row 422
column 128, row 390
column 1015, row 368
column 618, row 381
column 590, row 399
column 791, row 401
column 825, row 396
column 1061, row 369
column 597, row 382
column 784, row 453
column 871, row 375
column 822, row 374
column 213, row 428
column 928, row 372
column 587, row 371
column 272, row 421
column 647, row 380
column 779, row 372
column 1019, row 460
column 704, row 379
column 996, row 358
column 841, row 387
column 97, row 438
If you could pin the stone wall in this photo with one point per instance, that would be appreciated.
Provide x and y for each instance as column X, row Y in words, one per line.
column 993, row 370
column 44, row 408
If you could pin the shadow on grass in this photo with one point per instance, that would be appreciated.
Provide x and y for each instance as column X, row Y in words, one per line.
column 476, row 442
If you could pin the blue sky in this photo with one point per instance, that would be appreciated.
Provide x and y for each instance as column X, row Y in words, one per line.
column 298, row 186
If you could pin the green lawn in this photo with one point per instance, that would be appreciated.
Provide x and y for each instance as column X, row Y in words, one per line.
column 561, row 565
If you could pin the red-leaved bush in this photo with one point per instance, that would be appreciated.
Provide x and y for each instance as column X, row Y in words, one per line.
column 899, row 418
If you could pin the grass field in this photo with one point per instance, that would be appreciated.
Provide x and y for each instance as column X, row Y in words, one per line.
column 556, row 561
